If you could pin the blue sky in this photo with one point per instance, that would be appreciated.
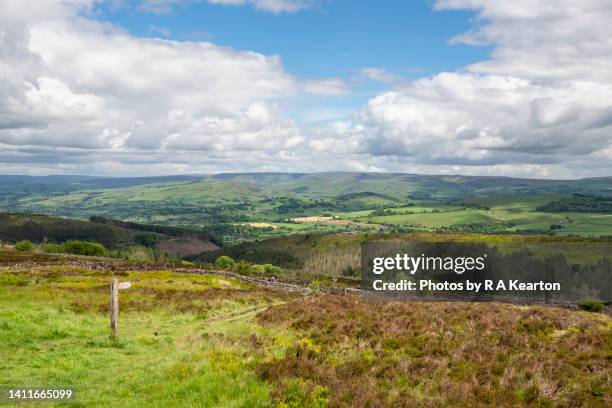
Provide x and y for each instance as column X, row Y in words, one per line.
column 140, row 87
column 335, row 38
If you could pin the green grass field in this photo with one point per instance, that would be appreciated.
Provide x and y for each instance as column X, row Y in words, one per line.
column 503, row 213
column 182, row 337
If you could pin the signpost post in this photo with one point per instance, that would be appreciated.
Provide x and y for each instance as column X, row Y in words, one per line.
column 115, row 286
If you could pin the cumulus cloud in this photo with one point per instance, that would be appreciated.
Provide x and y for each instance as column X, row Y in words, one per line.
column 68, row 81
column 544, row 96
column 78, row 95
column 257, row 128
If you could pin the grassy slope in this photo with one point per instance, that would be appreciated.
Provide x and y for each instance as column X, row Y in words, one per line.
column 182, row 337
column 204, row 341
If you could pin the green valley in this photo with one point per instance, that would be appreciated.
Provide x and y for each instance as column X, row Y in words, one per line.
column 265, row 205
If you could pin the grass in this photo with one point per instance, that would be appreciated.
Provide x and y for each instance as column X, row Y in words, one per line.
column 209, row 341
column 182, row 337
column 158, row 361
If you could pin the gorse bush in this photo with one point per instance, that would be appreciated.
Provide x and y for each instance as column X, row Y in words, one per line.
column 84, row 248
column 24, row 246
column 246, row 268
column 350, row 271
column 139, row 253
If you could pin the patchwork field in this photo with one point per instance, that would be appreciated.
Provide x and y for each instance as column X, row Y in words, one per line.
column 213, row 341
column 239, row 207
column 489, row 214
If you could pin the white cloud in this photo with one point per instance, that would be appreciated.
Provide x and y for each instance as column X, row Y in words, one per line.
column 81, row 96
column 274, row 6
column 380, row 75
column 73, row 82
column 544, row 96
column 338, row 136
column 326, row 86
column 257, row 128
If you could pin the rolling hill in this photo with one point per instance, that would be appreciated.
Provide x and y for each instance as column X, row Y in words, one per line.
column 255, row 205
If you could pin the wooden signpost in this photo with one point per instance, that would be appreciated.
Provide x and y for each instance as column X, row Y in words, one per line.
column 114, row 304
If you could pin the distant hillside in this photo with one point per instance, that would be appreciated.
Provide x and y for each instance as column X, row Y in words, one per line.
column 238, row 206
column 17, row 185
column 397, row 185
column 112, row 234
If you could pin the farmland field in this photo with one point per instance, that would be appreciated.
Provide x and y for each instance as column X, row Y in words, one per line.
column 256, row 206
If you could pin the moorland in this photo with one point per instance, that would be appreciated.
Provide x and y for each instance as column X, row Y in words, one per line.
column 201, row 339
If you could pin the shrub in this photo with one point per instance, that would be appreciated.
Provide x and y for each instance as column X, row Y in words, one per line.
column 84, row 248
column 24, row 245
column 225, row 262
column 272, row 269
column 53, row 248
column 591, row 305
column 258, row 269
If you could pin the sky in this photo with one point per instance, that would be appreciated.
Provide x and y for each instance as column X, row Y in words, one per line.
column 516, row 88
